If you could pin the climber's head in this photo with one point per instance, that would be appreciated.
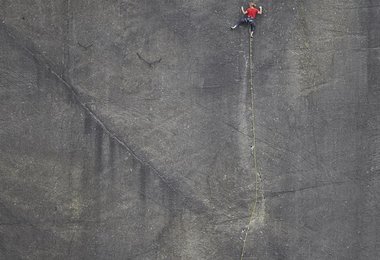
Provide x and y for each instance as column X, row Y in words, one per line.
column 252, row 4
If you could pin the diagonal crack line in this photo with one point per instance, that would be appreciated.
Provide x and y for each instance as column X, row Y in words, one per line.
column 279, row 193
column 76, row 96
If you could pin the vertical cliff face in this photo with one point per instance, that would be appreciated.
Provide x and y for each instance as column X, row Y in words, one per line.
column 127, row 126
column 318, row 116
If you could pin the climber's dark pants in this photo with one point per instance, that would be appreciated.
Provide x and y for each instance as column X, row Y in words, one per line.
column 250, row 21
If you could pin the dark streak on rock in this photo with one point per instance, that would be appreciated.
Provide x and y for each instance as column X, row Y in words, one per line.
column 150, row 64
column 98, row 148
column 87, row 123
column 143, row 180
column 85, row 47
column 67, row 31
column 111, row 160
column 71, row 98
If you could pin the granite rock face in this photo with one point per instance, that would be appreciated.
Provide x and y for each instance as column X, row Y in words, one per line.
column 126, row 130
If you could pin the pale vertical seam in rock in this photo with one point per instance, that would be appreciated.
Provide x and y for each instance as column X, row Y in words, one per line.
column 256, row 170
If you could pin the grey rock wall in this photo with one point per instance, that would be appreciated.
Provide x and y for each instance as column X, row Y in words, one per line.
column 126, row 130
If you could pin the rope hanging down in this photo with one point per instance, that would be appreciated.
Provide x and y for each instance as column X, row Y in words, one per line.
column 253, row 150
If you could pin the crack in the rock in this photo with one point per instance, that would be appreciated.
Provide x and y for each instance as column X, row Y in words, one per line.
column 151, row 64
column 44, row 61
column 256, row 171
column 279, row 193
column 85, row 47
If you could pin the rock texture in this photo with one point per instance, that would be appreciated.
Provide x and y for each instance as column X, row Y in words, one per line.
column 126, row 130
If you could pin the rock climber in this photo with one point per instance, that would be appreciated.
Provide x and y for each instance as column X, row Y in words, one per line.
column 250, row 17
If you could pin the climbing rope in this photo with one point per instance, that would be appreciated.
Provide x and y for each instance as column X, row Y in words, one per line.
column 253, row 151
